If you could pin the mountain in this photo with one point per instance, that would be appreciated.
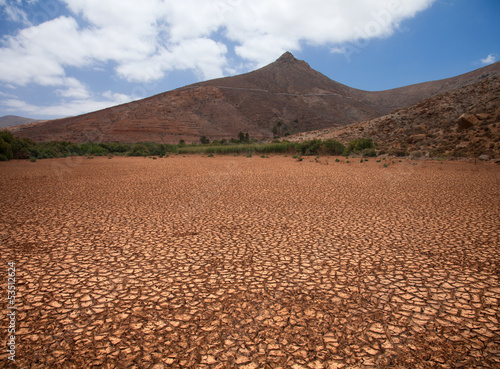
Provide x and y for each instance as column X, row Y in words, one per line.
column 14, row 120
column 464, row 122
column 287, row 96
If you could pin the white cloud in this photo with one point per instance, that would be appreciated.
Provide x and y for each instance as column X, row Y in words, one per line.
column 74, row 89
column 65, row 108
column 490, row 59
column 13, row 11
column 8, row 95
column 162, row 36
column 264, row 28
column 145, row 40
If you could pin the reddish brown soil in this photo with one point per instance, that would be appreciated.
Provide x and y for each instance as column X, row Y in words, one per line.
column 227, row 262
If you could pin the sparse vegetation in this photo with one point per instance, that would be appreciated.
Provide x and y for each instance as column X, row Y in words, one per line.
column 15, row 148
column 361, row 146
column 369, row 153
column 204, row 140
column 398, row 152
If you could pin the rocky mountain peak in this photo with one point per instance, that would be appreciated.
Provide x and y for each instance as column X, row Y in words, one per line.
column 287, row 58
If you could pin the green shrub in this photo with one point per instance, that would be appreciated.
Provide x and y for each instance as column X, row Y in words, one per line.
column 32, row 159
column 398, row 152
column 5, row 150
column 311, row 147
column 369, row 153
column 331, row 147
column 359, row 145
column 138, row 150
column 88, row 148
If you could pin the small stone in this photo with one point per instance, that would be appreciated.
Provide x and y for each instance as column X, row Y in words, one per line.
column 208, row 359
column 242, row 359
column 55, row 304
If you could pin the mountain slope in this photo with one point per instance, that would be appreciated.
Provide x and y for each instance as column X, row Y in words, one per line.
column 393, row 99
column 464, row 122
column 288, row 91
column 14, row 120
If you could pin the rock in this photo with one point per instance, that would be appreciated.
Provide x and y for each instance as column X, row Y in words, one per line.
column 465, row 121
column 482, row 116
column 240, row 359
column 208, row 359
column 416, row 138
column 484, row 157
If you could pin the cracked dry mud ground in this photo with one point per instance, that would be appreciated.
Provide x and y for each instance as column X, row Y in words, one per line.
column 233, row 262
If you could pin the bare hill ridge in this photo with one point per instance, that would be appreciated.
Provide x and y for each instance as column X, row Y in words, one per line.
column 287, row 91
column 464, row 122
column 14, row 120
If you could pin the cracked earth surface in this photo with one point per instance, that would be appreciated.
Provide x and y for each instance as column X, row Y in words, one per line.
column 234, row 262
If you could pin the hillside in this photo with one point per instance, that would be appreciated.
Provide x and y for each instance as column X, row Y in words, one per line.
column 288, row 93
column 14, row 120
column 464, row 122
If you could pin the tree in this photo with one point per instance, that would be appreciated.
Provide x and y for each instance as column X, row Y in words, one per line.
column 204, row 140
column 275, row 131
column 241, row 136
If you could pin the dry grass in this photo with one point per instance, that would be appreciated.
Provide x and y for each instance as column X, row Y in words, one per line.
column 246, row 262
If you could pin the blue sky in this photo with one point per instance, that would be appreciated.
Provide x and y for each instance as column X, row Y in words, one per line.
column 68, row 57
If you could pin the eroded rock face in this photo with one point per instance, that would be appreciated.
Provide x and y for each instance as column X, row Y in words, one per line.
column 242, row 262
column 466, row 121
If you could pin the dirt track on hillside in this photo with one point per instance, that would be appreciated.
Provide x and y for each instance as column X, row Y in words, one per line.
column 235, row 262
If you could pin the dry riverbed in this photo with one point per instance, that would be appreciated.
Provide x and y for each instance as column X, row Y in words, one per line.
column 236, row 262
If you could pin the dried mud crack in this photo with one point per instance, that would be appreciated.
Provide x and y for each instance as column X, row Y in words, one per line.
column 233, row 262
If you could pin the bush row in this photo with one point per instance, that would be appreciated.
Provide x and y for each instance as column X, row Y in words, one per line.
column 23, row 148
